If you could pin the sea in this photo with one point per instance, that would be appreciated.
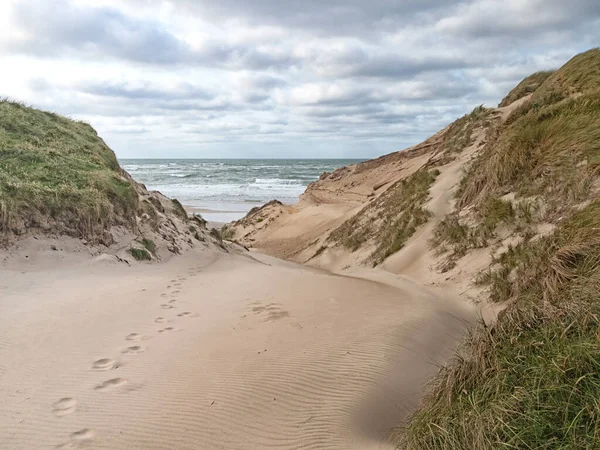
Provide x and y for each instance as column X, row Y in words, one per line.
column 223, row 190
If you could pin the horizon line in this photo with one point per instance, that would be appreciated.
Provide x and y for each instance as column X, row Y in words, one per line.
column 241, row 159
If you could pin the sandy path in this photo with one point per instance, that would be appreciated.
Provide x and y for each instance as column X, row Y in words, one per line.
column 212, row 352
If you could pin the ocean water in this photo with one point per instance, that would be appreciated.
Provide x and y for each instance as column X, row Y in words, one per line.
column 223, row 190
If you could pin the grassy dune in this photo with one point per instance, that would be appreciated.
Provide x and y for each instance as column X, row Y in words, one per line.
column 526, row 87
column 533, row 380
column 57, row 173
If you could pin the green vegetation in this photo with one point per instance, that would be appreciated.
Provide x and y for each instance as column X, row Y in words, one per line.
column 227, row 233
column 531, row 381
column 199, row 220
column 389, row 220
column 460, row 134
column 149, row 245
column 455, row 238
column 259, row 220
column 550, row 146
column 216, row 234
column 57, row 171
column 494, row 211
column 140, row 254
column 526, row 87
column 547, row 153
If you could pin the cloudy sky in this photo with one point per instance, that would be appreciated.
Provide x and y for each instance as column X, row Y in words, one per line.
column 279, row 78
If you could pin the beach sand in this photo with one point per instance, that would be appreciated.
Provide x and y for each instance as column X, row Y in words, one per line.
column 212, row 351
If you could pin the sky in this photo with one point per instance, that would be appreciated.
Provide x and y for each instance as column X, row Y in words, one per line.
column 276, row 78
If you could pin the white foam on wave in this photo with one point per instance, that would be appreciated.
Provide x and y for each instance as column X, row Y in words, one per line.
column 228, row 185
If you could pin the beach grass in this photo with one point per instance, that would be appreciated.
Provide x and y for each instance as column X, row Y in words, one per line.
column 389, row 220
column 149, row 245
column 56, row 171
column 532, row 380
column 550, row 146
column 140, row 254
column 528, row 86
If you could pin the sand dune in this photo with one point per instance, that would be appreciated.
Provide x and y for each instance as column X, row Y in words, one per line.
column 212, row 351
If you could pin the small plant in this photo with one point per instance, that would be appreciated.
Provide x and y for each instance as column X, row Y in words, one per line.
column 140, row 254
column 199, row 220
column 149, row 245
column 495, row 211
column 227, row 233
column 259, row 220
column 216, row 234
column 526, row 211
column 398, row 213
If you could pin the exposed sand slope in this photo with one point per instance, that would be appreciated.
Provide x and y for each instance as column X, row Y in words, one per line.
column 295, row 232
column 211, row 351
column 350, row 195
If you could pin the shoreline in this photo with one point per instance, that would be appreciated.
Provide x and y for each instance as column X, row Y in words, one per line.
column 216, row 216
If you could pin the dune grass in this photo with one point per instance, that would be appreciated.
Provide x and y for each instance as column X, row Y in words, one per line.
column 549, row 146
column 455, row 238
column 140, row 254
column 149, row 245
column 460, row 134
column 58, row 171
column 532, row 381
column 526, row 87
column 388, row 221
column 401, row 212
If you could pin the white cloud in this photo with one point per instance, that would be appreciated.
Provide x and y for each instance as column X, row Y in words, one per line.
column 270, row 78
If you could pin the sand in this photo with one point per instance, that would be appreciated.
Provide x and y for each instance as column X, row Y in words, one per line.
column 212, row 351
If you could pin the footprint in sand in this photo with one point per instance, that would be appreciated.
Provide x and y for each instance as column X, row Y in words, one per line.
column 173, row 300
column 163, row 295
column 68, row 446
column 64, row 406
column 110, row 384
column 184, row 314
column 273, row 311
column 105, row 364
column 78, row 439
column 133, row 349
column 133, row 337
column 164, row 330
column 176, row 292
column 160, row 320
column 83, row 435
column 165, row 306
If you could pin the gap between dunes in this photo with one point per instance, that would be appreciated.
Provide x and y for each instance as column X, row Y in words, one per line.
column 213, row 351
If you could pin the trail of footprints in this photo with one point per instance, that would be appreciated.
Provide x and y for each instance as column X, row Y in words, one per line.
column 68, row 405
